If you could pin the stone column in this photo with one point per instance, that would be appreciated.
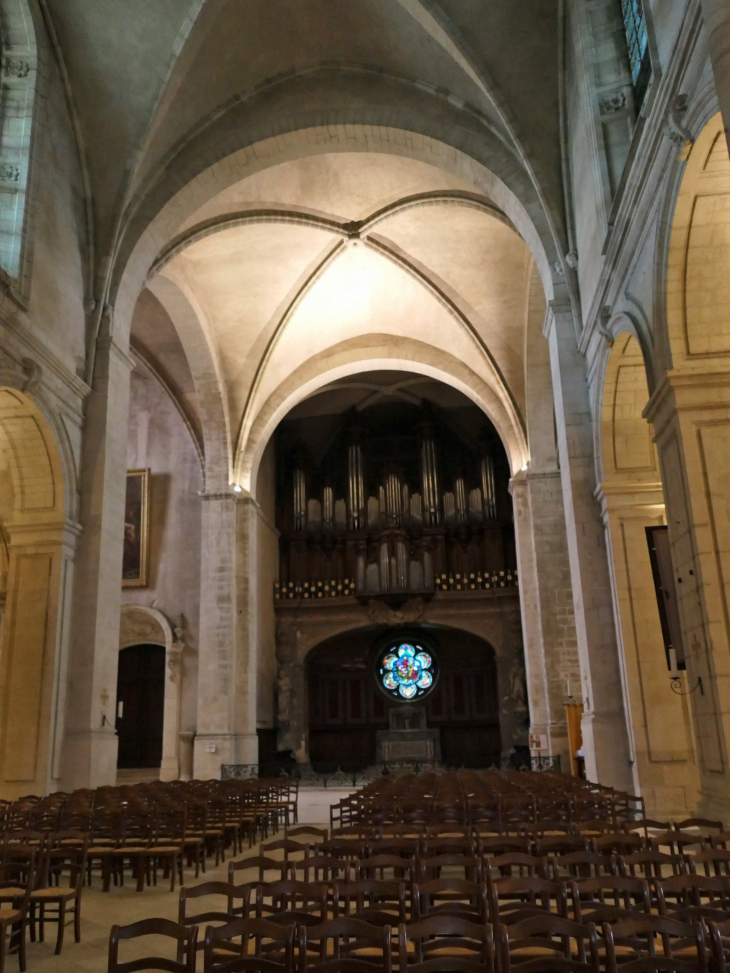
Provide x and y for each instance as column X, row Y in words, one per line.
column 226, row 731
column 546, row 602
column 291, row 704
column 665, row 768
column 716, row 14
column 606, row 742
column 170, row 766
column 90, row 751
column 34, row 656
column 690, row 411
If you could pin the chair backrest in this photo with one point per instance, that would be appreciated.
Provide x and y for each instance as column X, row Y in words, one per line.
column 526, row 894
column 470, row 868
column 345, row 944
column 640, row 934
column 582, row 864
column 184, row 937
column 650, row 864
column 377, row 866
column 446, row 943
column 692, row 892
column 223, row 910
column 262, row 865
column 451, row 896
column 308, row 829
column 609, row 897
column 560, row 844
column 552, row 937
column 516, row 863
column 249, row 944
column 713, row 861
column 373, row 901
column 291, row 896
column 286, row 845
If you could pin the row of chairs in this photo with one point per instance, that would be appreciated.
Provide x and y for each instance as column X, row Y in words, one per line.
column 437, row 944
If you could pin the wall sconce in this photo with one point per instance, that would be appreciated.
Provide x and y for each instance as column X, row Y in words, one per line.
column 675, row 682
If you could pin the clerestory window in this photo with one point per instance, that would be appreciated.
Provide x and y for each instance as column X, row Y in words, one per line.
column 638, row 46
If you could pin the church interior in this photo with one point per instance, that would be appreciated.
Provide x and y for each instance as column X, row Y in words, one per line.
column 364, row 459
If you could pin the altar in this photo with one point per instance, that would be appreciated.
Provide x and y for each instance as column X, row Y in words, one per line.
column 408, row 739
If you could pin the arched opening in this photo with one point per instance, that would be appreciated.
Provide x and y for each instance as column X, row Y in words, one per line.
column 645, row 594
column 347, row 708
column 140, row 706
column 36, row 549
column 689, row 411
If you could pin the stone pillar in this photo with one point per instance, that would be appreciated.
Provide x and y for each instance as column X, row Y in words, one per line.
column 606, row 742
column 716, row 14
column 665, row 769
column 690, row 411
column 34, row 656
column 226, row 731
column 170, row 765
column 546, row 602
column 90, row 751
column 291, row 702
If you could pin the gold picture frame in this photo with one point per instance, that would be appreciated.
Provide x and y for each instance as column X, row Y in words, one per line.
column 135, row 560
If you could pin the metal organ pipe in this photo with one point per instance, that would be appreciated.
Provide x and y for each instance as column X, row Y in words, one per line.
column 328, row 507
column 488, row 492
column 429, row 481
column 460, row 500
column 356, row 484
column 300, row 500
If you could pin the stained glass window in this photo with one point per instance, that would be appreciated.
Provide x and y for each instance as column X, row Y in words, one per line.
column 638, row 45
column 406, row 670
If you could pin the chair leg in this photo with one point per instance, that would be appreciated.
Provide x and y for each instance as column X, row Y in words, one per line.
column 61, row 926
column 140, row 873
column 3, row 938
column 21, row 946
column 77, row 919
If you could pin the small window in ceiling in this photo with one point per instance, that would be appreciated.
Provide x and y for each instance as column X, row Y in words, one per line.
column 638, row 45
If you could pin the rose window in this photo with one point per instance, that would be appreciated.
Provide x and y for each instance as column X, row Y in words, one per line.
column 406, row 671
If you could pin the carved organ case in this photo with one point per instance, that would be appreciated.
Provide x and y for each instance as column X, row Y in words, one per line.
column 391, row 498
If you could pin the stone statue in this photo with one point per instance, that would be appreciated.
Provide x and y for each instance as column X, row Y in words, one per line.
column 518, row 688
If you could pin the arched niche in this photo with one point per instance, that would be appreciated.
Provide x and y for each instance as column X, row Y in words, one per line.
column 140, row 625
column 633, row 503
column 38, row 544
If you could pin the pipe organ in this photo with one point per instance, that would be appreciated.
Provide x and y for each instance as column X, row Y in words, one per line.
column 391, row 512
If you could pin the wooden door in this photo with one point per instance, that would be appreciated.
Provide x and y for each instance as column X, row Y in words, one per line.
column 140, row 705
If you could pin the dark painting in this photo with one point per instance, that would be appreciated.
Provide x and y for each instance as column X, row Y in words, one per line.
column 136, row 529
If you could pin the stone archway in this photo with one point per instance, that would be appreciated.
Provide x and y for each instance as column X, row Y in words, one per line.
column 632, row 498
column 140, row 625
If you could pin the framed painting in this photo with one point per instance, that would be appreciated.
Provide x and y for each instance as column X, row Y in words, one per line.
column 136, row 529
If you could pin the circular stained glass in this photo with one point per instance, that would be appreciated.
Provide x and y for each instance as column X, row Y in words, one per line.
column 406, row 670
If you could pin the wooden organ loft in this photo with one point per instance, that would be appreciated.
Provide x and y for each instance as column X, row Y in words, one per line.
column 399, row 501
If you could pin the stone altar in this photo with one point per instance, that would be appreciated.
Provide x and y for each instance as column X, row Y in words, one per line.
column 408, row 740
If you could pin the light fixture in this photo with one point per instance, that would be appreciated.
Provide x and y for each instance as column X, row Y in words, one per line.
column 675, row 680
column 237, row 488
column 524, row 468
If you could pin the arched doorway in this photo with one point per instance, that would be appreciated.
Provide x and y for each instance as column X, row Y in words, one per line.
column 140, row 706
column 37, row 546
column 346, row 708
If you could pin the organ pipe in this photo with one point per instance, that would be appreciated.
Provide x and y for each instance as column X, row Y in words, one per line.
column 300, row 500
column 429, row 481
column 488, row 491
column 356, row 486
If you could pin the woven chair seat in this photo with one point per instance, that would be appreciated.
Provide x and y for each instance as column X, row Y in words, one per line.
column 52, row 893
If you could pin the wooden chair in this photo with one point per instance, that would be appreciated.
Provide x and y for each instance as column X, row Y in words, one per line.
column 60, row 895
column 308, row 829
column 345, row 946
column 249, row 945
column 618, row 843
column 184, row 937
column 514, row 899
column 692, row 896
column 502, row 844
column 263, row 865
column 301, row 902
column 581, row 864
column 391, row 868
column 515, row 864
column 683, row 948
column 17, row 878
column 445, row 943
column 551, row 938
column 370, row 900
column 719, row 944
column 650, row 864
column 288, row 846
column 713, row 861
column 609, row 898
column 463, row 866
column 223, row 894
column 450, row 897
column 345, row 848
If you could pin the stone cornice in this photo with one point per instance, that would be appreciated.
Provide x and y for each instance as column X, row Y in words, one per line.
column 29, row 346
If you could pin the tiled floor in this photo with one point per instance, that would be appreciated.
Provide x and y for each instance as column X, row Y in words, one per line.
column 99, row 911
